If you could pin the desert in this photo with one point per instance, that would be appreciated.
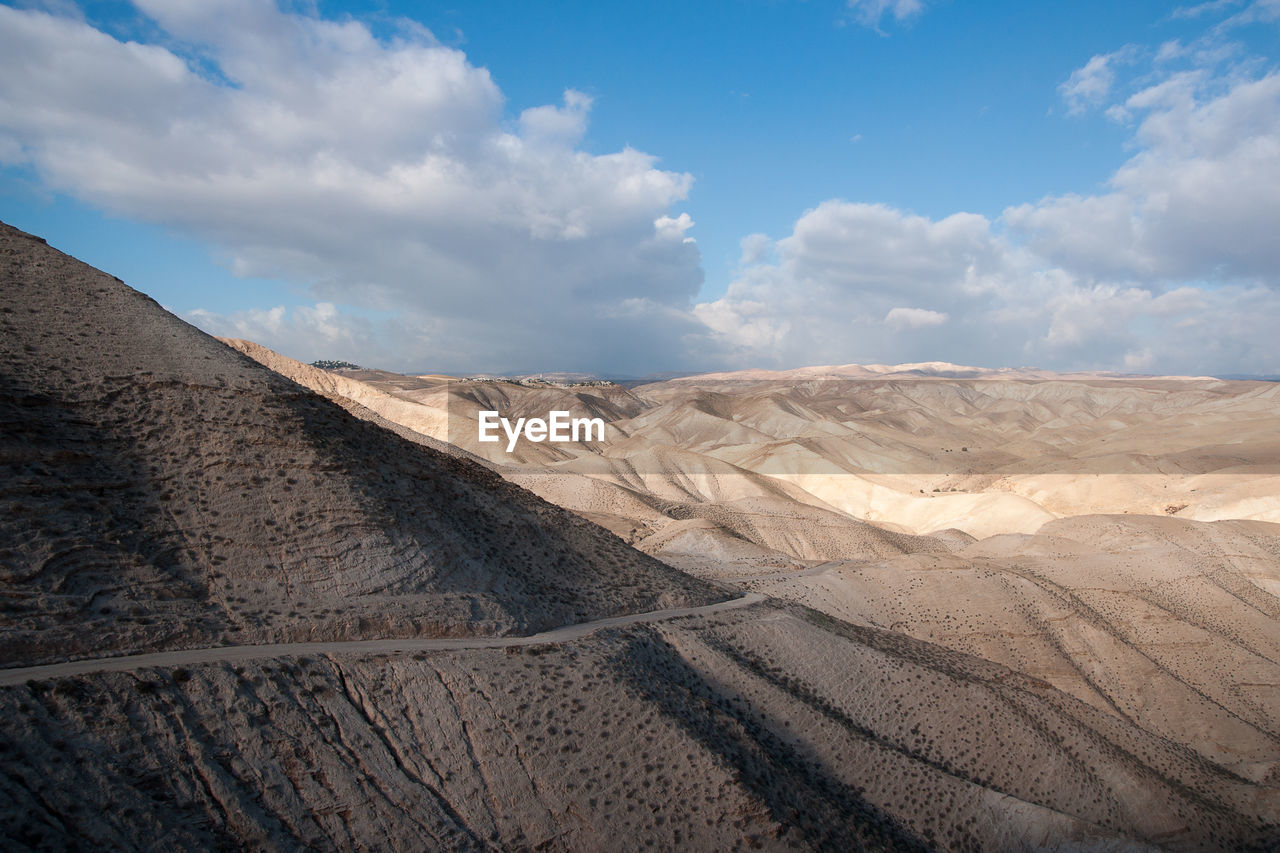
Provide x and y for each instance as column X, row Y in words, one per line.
column 243, row 609
column 845, row 425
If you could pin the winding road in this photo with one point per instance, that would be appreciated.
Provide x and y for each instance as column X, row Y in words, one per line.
column 224, row 654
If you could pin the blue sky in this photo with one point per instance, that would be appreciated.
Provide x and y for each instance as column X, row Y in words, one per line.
column 1065, row 184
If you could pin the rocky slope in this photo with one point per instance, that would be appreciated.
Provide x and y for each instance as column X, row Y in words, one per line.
column 163, row 490
column 759, row 729
column 1170, row 624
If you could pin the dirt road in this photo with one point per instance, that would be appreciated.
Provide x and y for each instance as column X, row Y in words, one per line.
column 786, row 575
column 222, row 654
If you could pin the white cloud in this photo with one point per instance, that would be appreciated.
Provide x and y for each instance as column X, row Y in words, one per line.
column 913, row 318
column 1188, row 330
column 869, row 13
column 674, row 228
column 1173, row 268
column 833, row 290
column 557, row 126
column 1170, row 51
column 1199, row 9
column 891, row 252
column 835, row 293
column 755, row 249
column 1197, row 201
column 1091, row 84
column 1258, row 11
column 382, row 172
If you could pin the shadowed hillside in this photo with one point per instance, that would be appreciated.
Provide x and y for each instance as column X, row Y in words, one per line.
column 163, row 490
column 758, row 729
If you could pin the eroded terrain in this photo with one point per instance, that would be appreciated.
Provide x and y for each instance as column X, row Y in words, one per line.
column 1090, row 682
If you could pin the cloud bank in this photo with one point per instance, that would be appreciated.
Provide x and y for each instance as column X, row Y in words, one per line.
column 434, row 231
column 381, row 173
column 1173, row 268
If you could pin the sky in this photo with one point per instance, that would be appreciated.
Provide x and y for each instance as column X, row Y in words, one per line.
column 628, row 189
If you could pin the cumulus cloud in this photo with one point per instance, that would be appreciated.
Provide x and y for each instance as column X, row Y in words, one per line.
column 1195, row 202
column 673, row 228
column 755, row 248
column 1173, row 267
column 557, row 125
column 833, row 290
column 381, row 172
column 913, row 318
column 893, row 253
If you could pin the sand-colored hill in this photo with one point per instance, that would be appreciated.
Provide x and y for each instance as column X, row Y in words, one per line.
column 643, row 482
column 1171, row 624
column 917, row 370
column 907, row 448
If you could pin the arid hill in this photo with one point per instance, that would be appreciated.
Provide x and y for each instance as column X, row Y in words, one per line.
column 1171, row 624
column 763, row 728
column 165, row 492
column 868, row 451
column 1177, row 448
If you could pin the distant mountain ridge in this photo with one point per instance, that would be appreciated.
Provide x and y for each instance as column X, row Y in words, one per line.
column 915, row 370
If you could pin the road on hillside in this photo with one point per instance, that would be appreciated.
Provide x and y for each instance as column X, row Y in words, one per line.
column 235, row 654
column 784, row 575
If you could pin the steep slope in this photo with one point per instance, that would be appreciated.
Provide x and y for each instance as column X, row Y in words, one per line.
column 409, row 419
column 162, row 490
